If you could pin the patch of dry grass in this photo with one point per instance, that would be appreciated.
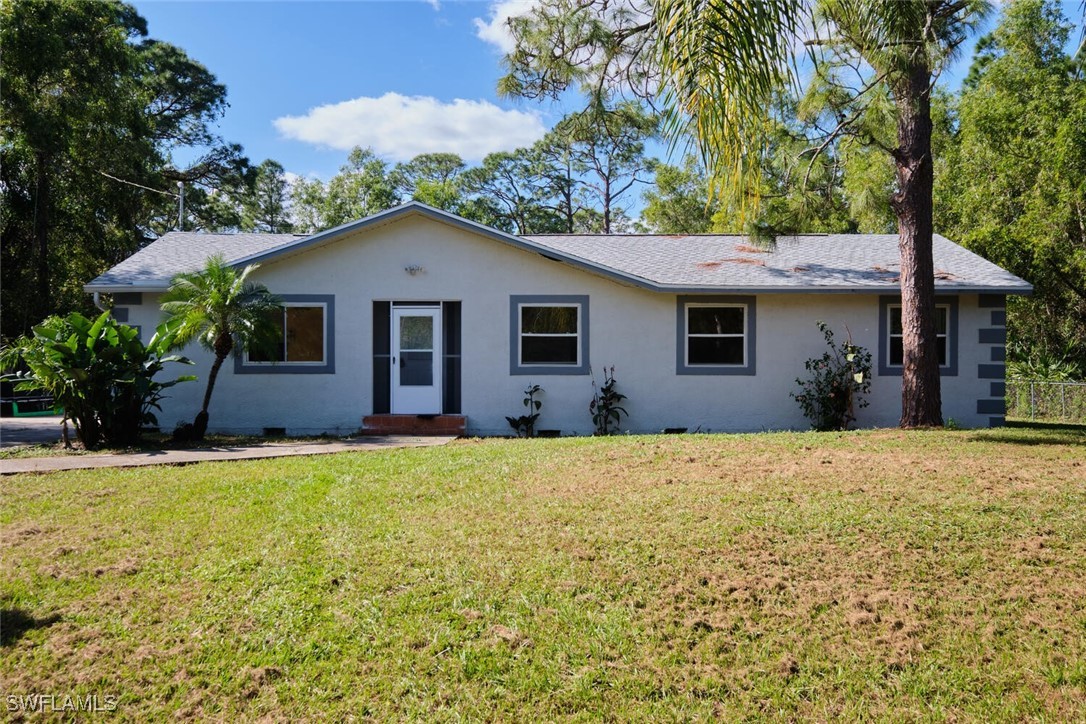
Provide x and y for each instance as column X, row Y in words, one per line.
column 876, row 574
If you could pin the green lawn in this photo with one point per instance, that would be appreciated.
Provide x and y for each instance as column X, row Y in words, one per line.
column 882, row 574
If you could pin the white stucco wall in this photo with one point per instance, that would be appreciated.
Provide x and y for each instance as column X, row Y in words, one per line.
column 632, row 329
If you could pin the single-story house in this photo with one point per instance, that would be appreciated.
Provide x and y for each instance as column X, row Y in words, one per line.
column 415, row 318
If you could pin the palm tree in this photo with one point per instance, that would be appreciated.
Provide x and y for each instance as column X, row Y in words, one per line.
column 720, row 65
column 220, row 307
column 723, row 62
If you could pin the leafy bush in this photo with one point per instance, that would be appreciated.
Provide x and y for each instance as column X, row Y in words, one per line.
column 605, row 406
column 1043, row 367
column 98, row 371
column 525, row 424
column 838, row 378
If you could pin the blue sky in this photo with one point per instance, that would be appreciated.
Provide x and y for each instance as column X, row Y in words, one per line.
column 425, row 77
column 308, row 80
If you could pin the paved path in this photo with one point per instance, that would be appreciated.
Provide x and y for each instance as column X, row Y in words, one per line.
column 184, row 457
column 30, row 430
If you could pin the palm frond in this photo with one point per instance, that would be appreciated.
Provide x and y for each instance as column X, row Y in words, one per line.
column 722, row 62
column 219, row 300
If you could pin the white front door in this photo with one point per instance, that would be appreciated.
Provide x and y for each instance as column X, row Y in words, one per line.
column 416, row 360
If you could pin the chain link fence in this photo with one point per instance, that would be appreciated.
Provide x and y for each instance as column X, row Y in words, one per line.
column 1046, row 401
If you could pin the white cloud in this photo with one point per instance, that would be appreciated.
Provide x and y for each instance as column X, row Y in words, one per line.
column 401, row 127
column 435, row 4
column 496, row 30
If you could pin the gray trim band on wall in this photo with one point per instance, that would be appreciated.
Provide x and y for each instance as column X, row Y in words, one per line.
column 991, row 372
column 289, row 368
column 120, row 314
column 950, row 369
column 682, row 368
column 515, row 368
column 991, row 407
column 992, row 335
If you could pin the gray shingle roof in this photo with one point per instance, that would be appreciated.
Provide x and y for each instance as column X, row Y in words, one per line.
column 844, row 262
column 155, row 264
column 690, row 263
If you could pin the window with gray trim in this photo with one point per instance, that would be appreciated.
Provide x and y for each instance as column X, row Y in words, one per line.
column 891, row 336
column 307, row 340
column 548, row 334
column 715, row 335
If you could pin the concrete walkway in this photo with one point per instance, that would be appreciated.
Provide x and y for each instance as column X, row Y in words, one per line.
column 185, row 457
column 15, row 431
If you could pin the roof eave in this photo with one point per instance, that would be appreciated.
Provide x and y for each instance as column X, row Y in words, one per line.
column 117, row 287
column 834, row 289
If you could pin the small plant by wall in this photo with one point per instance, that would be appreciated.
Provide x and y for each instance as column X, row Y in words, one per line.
column 606, row 406
column 830, row 396
column 525, row 424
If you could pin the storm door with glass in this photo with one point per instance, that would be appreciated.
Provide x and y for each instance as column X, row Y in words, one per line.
column 416, row 354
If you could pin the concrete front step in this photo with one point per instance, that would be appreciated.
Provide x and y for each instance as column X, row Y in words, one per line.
column 414, row 424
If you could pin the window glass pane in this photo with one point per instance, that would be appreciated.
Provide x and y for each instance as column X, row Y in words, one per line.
column 305, row 334
column 416, row 332
column 548, row 350
column 715, row 350
column 897, row 354
column 895, row 320
column 715, row 320
column 548, row 320
column 941, row 344
column 416, row 369
column 274, row 351
column 940, row 320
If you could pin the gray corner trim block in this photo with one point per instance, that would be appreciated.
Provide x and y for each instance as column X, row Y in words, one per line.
column 991, row 407
column 999, row 353
column 289, row 368
column 997, row 389
column 991, row 372
column 992, row 335
column 750, row 368
column 128, row 298
column 989, row 301
column 999, row 317
column 997, row 421
column 515, row 367
column 950, row 369
column 120, row 314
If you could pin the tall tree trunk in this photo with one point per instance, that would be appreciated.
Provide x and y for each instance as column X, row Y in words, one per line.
column 41, row 233
column 921, row 404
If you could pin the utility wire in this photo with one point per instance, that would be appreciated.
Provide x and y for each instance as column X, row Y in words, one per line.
column 140, row 186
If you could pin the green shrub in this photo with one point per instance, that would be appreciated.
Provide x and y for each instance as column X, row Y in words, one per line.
column 829, row 398
column 98, row 371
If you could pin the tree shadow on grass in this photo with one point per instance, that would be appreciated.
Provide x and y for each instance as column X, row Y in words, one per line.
column 14, row 622
column 1019, row 432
